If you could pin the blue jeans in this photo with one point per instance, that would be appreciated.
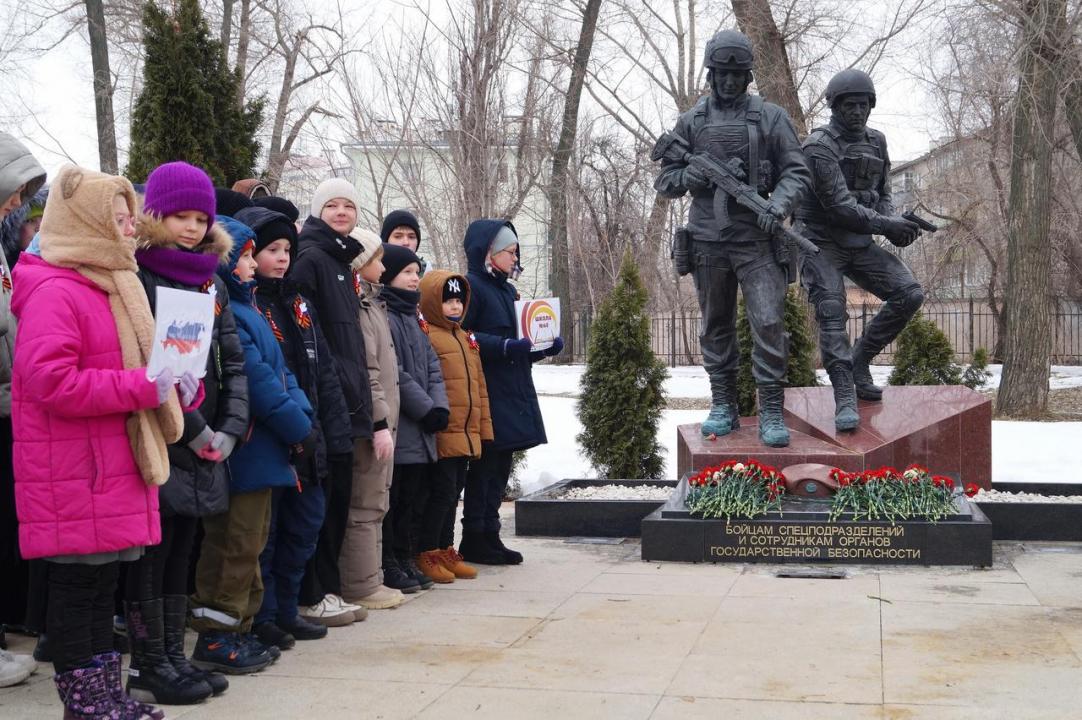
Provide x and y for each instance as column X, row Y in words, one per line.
column 296, row 517
column 486, row 481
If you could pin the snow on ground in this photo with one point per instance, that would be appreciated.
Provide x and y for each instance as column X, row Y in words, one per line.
column 1021, row 451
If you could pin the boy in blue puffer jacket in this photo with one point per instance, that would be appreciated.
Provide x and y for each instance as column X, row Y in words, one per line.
column 228, row 586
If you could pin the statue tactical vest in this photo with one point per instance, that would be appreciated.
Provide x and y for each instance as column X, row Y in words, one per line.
column 861, row 162
column 736, row 138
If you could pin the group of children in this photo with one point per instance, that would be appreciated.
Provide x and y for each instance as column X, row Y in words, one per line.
column 311, row 475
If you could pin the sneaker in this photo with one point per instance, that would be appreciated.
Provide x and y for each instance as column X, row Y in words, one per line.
column 229, row 653
column 302, row 629
column 429, row 563
column 415, row 572
column 328, row 612
column 14, row 669
column 359, row 613
column 396, row 578
column 384, row 598
column 271, row 635
column 454, row 562
column 257, row 645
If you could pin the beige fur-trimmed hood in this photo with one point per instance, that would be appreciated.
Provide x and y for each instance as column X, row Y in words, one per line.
column 151, row 232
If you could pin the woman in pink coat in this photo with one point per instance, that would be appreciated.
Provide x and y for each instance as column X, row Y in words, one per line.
column 90, row 428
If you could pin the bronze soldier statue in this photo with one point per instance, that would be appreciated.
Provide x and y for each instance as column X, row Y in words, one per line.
column 733, row 241
column 850, row 201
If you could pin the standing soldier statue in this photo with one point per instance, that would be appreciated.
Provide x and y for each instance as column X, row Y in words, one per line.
column 740, row 159
column 850, row 202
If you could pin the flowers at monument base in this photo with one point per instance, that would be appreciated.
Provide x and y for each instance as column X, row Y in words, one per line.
column 744, row 489
column 891, row 494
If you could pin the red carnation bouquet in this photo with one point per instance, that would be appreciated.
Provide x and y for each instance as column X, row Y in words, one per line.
column 744, row 489
column 891, row 494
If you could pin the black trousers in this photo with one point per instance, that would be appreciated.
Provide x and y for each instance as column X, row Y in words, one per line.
column 452, row 473
column 13, row 569
column 321, row 576
column 400, row 541
column 163, row 569
column 80, row 615
column 486, row 481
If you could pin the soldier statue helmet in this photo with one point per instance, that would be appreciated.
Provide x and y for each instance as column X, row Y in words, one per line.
column 729, row 56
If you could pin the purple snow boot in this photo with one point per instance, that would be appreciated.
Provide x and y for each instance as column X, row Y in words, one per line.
column 85, row 694
column 130, row 709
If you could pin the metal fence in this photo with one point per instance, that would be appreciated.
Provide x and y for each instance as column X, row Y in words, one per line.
column 968, row 324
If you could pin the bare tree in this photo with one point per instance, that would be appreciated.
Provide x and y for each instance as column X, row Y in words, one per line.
column 1028, row 332
column 775, row 78
column 558, row 185
column 103, row 86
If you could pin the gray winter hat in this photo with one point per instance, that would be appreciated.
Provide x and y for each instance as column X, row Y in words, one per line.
column 18, row 166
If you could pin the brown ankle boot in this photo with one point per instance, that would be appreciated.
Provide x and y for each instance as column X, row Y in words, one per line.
column 451, row 560
column 430, row 565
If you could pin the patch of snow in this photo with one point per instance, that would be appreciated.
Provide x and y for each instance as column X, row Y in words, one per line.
column 997, row 496
column 617, row 492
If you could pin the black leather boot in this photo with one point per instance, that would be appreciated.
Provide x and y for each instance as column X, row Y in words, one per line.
column 176, row 617
column 151, row 676
column 475, row 548
column 510, row 557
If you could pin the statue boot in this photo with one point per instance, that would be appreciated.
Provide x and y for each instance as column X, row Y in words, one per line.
column 862, row 375
column 772, row 430
column 724, row 414
column 846, row 417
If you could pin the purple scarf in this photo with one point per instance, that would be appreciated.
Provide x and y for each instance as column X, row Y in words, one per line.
column 182, row 266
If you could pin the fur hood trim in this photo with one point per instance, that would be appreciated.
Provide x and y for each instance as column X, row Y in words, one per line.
column 151, row 232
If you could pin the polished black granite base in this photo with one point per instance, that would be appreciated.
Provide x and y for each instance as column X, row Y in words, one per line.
column 802, row 533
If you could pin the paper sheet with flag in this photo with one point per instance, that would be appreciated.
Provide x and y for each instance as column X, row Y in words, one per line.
column 183, row 325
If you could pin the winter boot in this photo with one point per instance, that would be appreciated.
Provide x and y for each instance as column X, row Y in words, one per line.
column 476, row 548
column 132, row 709
column 510, row 557
column 227, row 652
column 382, row 598
column 176, row 615
column 415, row 572
column 85, row 694
column 430, row 565
column 398, row 579
column 772, row 430
column 862, row 375
column 42, row 653
column 302, row 629
column 14, row 669
column 724, row 414
column 151, row 676
column 451, row 560
column 845, row 399
column 270, row 634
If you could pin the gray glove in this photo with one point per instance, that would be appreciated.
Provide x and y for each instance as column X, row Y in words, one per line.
column 187, row 387
column 201, row 440
column 162, row 384
column 224, row 443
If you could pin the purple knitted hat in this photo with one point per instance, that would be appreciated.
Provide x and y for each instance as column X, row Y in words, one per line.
column 176, row 187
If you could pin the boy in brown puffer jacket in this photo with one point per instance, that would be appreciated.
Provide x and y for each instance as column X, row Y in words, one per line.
column 444, row 299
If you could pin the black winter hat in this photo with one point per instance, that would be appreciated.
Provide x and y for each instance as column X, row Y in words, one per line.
column 268, row 226
column 278, row 205
column 455, row 287
column 230, row 202
column 395, row 259
column 400, row 218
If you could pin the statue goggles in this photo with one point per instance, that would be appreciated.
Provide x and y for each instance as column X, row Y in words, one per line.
column 730, row 57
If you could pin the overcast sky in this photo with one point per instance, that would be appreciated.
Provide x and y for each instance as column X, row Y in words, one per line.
column 60, row 94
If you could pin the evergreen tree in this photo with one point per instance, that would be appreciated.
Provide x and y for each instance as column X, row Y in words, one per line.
column 800, row 371
column 924, row 356
column 187, row 109
column 622, row 389
column 976, row 375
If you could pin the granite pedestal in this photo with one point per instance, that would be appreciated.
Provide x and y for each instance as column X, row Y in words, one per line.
column 947, row 428
column 546, row 513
